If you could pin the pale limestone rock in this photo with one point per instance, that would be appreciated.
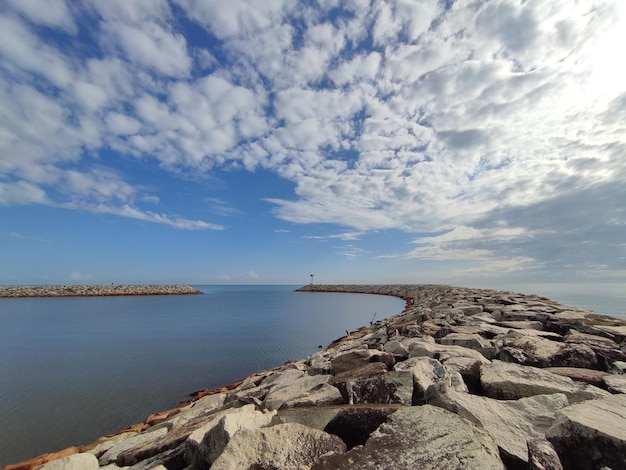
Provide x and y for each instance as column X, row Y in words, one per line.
column 202, row 407
column 615, row 383
column 427, row 372
column 510, row 422
column 443, row 352
column 119, row 447
column 305, row 390
column 424, row 437
column 206, row 443
column 471, row 341
column 352, row 360
column 105, row 445
column 84, row 461
column 591, row 434
column 281, row 447
column 541, row 352
column 396, row 347
column 511, row 381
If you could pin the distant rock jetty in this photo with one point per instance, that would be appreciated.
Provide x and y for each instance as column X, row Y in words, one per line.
column 462, row 378
column 96, row 291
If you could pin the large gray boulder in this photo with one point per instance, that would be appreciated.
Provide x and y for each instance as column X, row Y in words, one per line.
column 427, row 372
column 591, row 434
column 281, row 447
column 205, row 444
column 510, row 422
column 510, row 381
column 540, row 352
column 352, row 359
column 424, row 437
column 303, row 391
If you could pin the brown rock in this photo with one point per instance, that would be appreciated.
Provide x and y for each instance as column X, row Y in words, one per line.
column 589, row 376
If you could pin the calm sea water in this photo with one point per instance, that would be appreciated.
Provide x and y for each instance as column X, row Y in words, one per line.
column 74, row 369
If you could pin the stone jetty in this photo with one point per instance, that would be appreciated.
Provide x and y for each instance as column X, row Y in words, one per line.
column 461, row 379
column 96, row 291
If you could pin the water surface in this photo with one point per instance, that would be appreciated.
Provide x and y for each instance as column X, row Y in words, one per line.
column 74, row 369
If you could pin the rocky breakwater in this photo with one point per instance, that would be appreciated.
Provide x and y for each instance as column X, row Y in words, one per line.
column 96, row 291
column 462, row 378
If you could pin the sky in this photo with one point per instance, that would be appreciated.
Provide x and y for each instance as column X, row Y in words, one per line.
column 362, row 141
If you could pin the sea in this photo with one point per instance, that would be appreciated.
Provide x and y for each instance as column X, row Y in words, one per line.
column 75, row 369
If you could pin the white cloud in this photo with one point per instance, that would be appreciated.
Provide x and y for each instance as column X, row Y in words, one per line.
column 459, row 114
column 120, row 124
column 149, row 216
column 51, row 13
column 25, row 52
column 21, row 192
column 151, row 46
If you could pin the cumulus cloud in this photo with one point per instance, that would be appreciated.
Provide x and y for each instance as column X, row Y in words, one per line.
column 457, row 118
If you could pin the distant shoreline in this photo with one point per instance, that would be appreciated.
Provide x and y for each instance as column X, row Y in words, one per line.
column 96, row 290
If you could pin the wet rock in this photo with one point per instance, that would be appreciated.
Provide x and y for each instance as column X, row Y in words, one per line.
column 510, row 381
column 424, row 437
column 281, row 447
column 591, row 434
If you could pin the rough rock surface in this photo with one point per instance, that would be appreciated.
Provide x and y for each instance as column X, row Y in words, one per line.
column 462, row 378
column 281, row 447
column 512, row 381
column 591, row 434
column 510, row 422
column 424, row 437
column 84, row 461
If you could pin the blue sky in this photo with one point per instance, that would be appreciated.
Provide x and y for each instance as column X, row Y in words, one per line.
column 466, row 142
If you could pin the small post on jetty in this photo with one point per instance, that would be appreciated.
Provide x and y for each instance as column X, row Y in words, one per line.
column 312, row 278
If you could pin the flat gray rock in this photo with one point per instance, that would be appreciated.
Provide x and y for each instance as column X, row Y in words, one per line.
column 508, row 381
column 420, row 437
